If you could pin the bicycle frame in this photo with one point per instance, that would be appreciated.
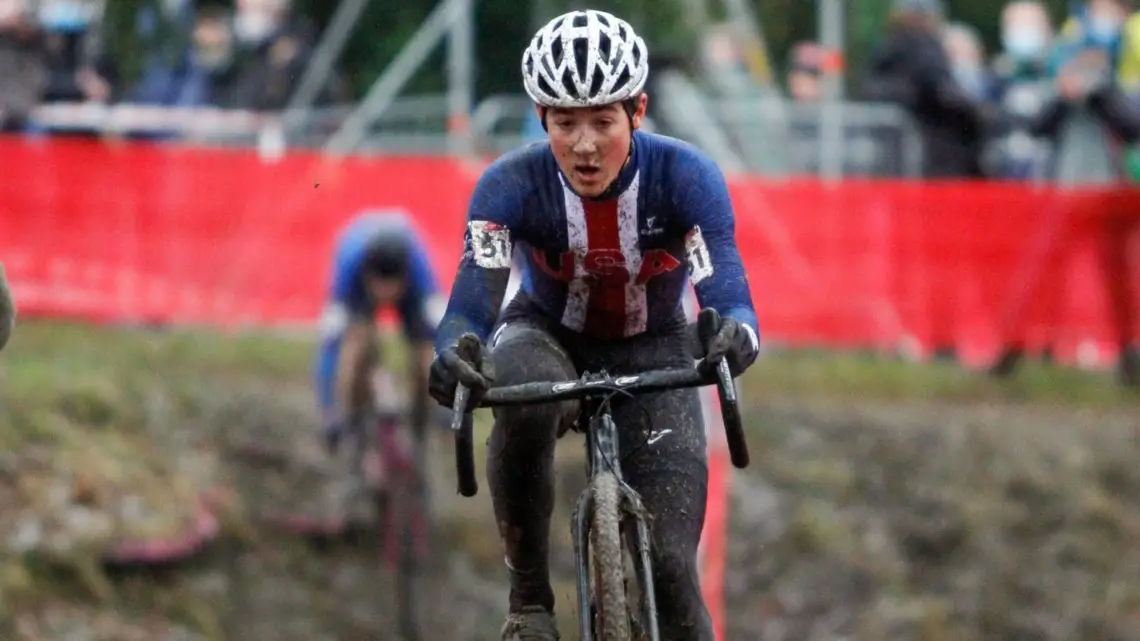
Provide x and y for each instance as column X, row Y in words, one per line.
column 602, row 452
column 601, row 448
column 405, row 538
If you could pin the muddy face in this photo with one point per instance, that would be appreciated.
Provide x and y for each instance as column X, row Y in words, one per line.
column 591, row 144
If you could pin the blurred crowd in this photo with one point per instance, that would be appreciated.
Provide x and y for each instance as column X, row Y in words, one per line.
column 1057, row 102
column 248, row 54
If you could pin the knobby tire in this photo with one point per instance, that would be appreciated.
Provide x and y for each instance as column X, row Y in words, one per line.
column 611, row 622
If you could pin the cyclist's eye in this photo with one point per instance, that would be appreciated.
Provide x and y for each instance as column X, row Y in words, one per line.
column 565, row 125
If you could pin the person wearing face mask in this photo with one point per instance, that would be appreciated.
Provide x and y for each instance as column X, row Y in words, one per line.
column 256, row 21
column 1022, row 88
column 274, row 47
column 1089, row 121
column 78, row 68
column 1096, row 26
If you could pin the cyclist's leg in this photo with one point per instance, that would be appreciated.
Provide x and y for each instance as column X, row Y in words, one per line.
column 361, row 355
column 663, row 458
column 520, row 453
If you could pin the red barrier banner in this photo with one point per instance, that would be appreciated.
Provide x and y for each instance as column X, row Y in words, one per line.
column 132, row 231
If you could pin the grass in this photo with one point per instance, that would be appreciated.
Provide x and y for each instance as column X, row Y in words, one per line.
column 114, row 432
column 114, row 435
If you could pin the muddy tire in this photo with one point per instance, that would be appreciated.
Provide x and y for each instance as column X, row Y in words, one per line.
column 611, row 616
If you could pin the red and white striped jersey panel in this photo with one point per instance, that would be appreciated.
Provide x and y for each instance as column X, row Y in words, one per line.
column 605, row 298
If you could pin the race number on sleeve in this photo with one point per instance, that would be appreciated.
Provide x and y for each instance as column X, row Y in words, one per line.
column 490, row 244
column 697, row 256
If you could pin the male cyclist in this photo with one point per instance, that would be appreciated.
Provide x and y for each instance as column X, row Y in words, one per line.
column 611, row 221
column 379, row 262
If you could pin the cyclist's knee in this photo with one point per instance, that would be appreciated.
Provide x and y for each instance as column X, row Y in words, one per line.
column 524, row 355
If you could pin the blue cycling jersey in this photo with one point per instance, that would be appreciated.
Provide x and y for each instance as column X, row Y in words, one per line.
column 608, row 268
column 419, row 307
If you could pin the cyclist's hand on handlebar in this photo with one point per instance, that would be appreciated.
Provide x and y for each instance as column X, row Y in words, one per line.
column 449, row 369
column 732, row 341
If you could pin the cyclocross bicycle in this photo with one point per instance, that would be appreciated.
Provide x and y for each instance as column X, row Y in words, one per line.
column 389, row 460
column 608, row 508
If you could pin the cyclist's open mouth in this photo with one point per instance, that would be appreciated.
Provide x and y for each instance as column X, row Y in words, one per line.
column 587, row 173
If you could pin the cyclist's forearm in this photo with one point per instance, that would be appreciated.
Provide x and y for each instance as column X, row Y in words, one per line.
column 476, row 298
column 353, row 381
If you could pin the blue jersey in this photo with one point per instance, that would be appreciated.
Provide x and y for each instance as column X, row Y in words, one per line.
column 609, row 268
column 419, row 308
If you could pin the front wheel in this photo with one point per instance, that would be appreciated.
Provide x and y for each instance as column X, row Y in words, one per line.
column 611, row 617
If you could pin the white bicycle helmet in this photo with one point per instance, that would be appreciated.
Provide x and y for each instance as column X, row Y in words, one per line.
column 585, row 59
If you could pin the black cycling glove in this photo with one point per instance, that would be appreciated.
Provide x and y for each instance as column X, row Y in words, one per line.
column 449, row 369
column 734, row 341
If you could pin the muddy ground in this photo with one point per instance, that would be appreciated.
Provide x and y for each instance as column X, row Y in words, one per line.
column 967, row 513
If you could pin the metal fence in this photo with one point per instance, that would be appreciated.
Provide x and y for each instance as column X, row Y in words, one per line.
column 772, row 137
column 781, row 137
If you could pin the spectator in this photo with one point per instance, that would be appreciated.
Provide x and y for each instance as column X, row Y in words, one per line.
column 1090, row 119
column 911, row 69
column 1084, row 62
column 805, row 71
column 23, row 68
column 203, row 77
column 1022, row 89
column 1094, row 26
column 965, row 52
column 164, row 33
column 274, row 48
column 78, row 70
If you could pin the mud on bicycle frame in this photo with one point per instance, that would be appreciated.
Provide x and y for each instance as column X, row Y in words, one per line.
column 607, row 501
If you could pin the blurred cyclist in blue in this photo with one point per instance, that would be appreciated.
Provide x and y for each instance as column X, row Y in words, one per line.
column 380, row 262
